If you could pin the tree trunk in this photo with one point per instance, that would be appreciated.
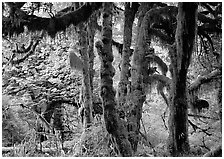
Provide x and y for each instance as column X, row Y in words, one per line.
column 49, row 111
column 114, row 124
column 58, row 119
column 178, row 143
column 86, row 86
column 137, row 95
column 139, row 82
column 143, row 9
column 91, row 33
column 129, row 15
column 219, row 99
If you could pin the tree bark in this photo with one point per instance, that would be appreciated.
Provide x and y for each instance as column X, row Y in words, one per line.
column 139, row 79
column 91, row 29
column 143, row 9
column 113, row 123
column 178, row 142
column 86, row 86
column 129, row 15
column 51, row 25
column 58, row 123
column 87, row 95
column 219, row 99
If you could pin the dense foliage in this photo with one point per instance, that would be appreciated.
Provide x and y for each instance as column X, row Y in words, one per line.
column 36, row 74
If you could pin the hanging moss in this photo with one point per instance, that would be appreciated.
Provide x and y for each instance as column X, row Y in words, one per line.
column 51, row 25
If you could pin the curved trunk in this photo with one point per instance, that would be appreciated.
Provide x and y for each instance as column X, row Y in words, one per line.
column 139, row 78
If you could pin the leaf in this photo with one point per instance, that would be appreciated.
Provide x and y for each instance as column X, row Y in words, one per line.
column 75, row 62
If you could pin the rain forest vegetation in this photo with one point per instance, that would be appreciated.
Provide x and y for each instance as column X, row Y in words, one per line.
column 101, row 79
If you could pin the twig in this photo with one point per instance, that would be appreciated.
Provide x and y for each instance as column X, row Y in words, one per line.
column 164, row 122
column 195, row 127
column 10, row 60
column 39, row 115
column 27, row 55
column 204, row 145
column 23, row 50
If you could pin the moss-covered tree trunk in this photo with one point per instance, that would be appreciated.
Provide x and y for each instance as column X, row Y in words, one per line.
column 114, row 124
column 91, row 29
column 139, row 79
column 142, row 10
column 129, row 15
column 58, row 125
column 219, row 99
column 137, row 96
column 178, row 142
column 86, row 86
column 58, row 116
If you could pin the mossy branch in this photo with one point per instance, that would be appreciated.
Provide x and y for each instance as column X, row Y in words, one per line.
column 51, row 25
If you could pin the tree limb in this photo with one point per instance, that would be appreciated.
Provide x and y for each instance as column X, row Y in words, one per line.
column 161, row 78
column 15, row 5
column 205, row 79
column 195, row 127
column 201, row 116
column 27, row 55
column 51, row 25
